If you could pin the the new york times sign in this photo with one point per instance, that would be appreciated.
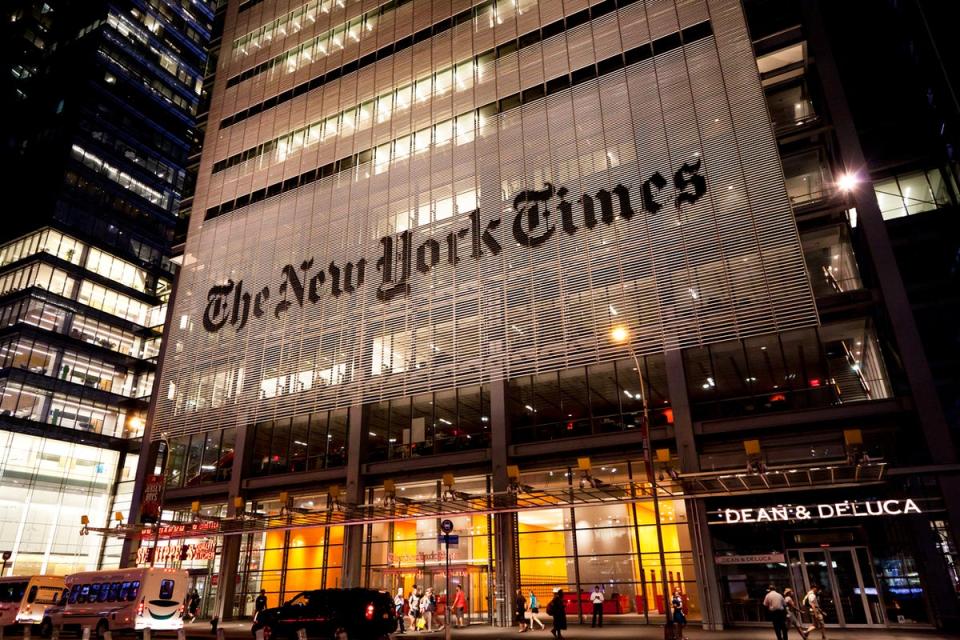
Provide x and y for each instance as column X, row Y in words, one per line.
column 538, row 216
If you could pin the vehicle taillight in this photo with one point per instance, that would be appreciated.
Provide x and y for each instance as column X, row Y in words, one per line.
column 369, row 614
column 140, row 608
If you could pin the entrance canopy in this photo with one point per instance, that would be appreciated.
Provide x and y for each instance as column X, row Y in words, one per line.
column 785, row 478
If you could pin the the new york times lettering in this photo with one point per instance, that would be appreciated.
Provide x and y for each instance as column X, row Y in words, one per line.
column 539, row 214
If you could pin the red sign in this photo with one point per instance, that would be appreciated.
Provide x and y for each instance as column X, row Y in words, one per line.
column 152, row 499
column 172, row 553
column 187, row 529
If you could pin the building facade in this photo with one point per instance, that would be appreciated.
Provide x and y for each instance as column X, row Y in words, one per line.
column 101, row 111
column 593, row 281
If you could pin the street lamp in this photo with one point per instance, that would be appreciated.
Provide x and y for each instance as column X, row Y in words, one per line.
column 620, row 334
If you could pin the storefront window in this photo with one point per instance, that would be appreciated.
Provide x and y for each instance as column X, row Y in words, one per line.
column 284, row 563
column 615, row 547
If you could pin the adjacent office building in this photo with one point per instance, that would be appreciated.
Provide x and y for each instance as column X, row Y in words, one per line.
column 100, row 98
column 457, row 260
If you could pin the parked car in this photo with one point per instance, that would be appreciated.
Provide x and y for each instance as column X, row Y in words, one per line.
column 362, row 613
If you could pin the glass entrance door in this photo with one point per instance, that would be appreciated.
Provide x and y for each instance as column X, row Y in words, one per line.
column 848, row 593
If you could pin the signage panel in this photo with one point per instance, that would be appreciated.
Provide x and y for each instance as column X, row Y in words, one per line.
column 821, row 511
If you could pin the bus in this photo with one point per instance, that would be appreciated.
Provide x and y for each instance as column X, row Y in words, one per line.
column 120, row 599
column 24, row 599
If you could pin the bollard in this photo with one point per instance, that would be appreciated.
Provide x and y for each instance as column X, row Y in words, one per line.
column 181, row 634
column 107, row 635
column 301, row 634
column 147, row 632
column 259, row 635
column 55, row 633
column 27, row 630
column 221, row 634
column 86, row 633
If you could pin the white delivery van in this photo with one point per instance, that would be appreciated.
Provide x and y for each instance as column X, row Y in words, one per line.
column 120, row 599
column 23, row 599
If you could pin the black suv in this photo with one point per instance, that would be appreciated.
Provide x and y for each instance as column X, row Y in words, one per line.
column 362, row 613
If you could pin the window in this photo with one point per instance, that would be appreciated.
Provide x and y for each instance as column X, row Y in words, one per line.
column 166, row 589
column 915, row 192
column 134, row 589
column 33, row 594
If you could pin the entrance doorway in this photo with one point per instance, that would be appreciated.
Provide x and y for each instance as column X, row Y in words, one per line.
column 474, row 579
column 849, row 595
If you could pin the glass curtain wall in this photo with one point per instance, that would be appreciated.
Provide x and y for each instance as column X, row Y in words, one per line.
column 48, row 486
column 614, row 546
column 286, row 562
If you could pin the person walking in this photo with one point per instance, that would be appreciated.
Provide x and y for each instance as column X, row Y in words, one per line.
column 793, row 612
column 428, row 605
column 261, row 602
column 597, row 599
column 776, row 608
column 534, row 611
column 194, row 605
column 459, row 604
column 414, row 604
column 811, row 602
column 557, row 610
column 520, row 607
column 398, row 602
column 679, row 617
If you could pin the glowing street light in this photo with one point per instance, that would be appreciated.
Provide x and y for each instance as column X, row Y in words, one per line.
column 619, row 334
column 848, row 182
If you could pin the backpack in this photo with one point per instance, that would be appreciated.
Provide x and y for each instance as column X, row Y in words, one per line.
column 550, row 608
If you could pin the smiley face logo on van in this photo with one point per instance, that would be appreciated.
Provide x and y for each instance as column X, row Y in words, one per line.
column 162, row 604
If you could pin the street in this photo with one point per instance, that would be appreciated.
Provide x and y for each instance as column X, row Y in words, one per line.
column 613, row 632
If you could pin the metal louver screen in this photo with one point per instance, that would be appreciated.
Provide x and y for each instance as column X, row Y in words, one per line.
column 650, row 196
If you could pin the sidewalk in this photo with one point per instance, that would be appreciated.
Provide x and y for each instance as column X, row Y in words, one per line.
column 241, row 631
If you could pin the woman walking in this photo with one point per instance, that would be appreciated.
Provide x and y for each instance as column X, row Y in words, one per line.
column 556, row 609
column 534, row 612
column 679, row 618
column 521, row 610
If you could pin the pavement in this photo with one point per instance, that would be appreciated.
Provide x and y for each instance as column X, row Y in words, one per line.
column 241, row 630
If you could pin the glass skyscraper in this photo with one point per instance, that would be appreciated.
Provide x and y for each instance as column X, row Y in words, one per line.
column 105, row 96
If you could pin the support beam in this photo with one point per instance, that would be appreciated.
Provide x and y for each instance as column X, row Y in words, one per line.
column 351, row 575
column 701, row 544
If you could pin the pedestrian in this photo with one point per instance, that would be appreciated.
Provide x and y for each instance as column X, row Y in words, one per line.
column 811, row 602
column 597, row 599
column 521, row 610
column 534, row 610
column 793, row 612
column 776, row 607
column 679, row 617
column 194, row 605
column 428, row 604
column 414, row 603
column 557, row 610
column 261, row 602
column 459, row 604
column 398, row 603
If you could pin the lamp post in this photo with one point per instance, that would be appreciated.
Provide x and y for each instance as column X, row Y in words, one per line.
column 619, row 334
